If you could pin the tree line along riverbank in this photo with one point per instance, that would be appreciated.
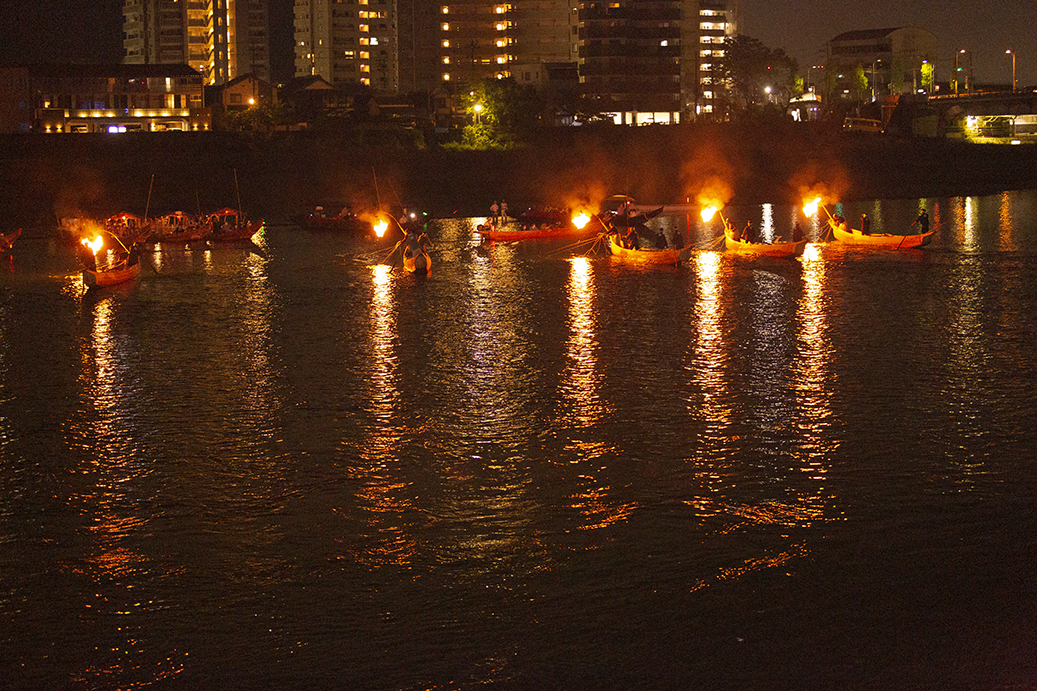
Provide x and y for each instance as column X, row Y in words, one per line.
column 44, row 177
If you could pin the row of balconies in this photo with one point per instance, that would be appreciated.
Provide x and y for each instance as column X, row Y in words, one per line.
column 641, row 69
column 649, row 34
column 630, row 51
column 662, row 14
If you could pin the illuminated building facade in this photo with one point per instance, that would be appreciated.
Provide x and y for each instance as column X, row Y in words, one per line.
column 717, row 19
column 649, row 61
column 104, row 98
column 221, row 39
column 892, row 59
column 348, row 42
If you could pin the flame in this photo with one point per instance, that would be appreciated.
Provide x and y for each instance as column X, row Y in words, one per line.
column 380, row 227
column 580, row 220
column 709, row 212
column 95, row 245
column 810, row 208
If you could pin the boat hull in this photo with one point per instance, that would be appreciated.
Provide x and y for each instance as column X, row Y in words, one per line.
column 649, row 256
column 419, row 263
column 515, row 235
column 902, row 242
column 110, row 277
column 763, row 249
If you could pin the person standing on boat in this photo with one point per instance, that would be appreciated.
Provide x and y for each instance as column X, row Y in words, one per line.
column 660, row 241
column 86, row 257
column 631, row 240
column 865, row 224
column 503, row 212
column 749, row 233
column 494, row 210
column 678, row 239
column 922, row 221
column 797, row 233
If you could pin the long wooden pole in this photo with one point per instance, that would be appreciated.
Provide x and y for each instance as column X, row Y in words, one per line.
column 147, row 207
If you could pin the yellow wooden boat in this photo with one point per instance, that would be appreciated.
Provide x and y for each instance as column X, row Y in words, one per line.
column 120, row 273
column 669, row 255
column 417, row 262
column 852, row 236
column 778, row 249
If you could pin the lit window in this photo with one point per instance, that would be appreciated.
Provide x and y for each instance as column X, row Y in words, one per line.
column 501, row 59
column 445, row 9
column 374, row 41
column 364, row 28
column 501, row 26
column 500, row 9
column 446, row 60
column 365, row 68
column 446, row 44
column 446, row 77
column 664, row 43
column 364, row 55
column 501, row 42
column 444, row 26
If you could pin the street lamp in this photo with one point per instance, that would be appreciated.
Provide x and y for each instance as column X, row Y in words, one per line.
column 478, row 110
column 1009, row 52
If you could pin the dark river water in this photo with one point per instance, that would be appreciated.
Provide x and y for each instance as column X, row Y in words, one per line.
column 531, row 469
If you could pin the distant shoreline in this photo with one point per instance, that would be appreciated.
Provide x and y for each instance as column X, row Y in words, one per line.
column 43, row 177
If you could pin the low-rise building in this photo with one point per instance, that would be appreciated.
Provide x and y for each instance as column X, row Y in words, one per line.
column 102, row 98
column 893, row 60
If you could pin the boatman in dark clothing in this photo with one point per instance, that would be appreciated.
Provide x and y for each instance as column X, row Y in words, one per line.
column 86, row 257
column 922, row 221
column 797, row 233
column 865, row 224
column 749, row 233
column 678, row 239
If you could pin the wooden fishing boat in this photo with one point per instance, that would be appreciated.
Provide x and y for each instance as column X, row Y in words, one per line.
column 669, row 255
column 120, row 273
column 179, row 227
column 7, row 240
column 345, row 221
column 852, row 236
column 778, row 249
column 500, row 234
column 416, row 261
column 129, row 228
column 231, row 224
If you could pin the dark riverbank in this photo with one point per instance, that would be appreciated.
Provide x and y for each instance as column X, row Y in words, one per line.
column 43, row 177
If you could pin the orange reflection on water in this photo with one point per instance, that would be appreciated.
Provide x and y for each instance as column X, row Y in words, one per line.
column 382, row 498
column 383, row 338
column 114, row 471
column 964, row 222
column 709, row 347
column 1005, row 227
column 811, row 375
column 580, row 379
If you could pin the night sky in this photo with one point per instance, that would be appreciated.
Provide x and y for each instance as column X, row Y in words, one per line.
column 91, row 30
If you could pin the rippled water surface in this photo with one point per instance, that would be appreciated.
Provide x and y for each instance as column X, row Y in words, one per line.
column 531, row 469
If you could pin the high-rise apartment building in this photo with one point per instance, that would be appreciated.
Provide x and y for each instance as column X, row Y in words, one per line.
column 649, row 61
column 348, row 42
column 222, row 39
column 717, row 19
column 643, row 60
